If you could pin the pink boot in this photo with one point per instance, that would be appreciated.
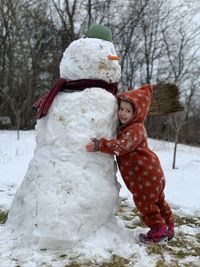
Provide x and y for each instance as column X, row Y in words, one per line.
column 170, row 231
column 155, row 235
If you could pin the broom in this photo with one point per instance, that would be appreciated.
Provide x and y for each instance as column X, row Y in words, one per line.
column 165, row 100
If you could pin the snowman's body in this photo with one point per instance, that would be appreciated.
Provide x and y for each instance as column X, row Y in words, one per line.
column 68, row 193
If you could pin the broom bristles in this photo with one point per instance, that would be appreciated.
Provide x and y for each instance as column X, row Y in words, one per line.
column 165, row 100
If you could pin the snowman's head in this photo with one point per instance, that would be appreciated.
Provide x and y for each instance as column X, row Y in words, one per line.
column 89, row 58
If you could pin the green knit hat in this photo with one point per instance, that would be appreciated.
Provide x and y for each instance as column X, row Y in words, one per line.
column 100, row 32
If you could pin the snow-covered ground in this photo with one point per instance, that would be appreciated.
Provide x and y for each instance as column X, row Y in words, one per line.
column 182, row 192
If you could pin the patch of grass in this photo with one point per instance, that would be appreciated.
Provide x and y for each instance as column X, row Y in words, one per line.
column 179, row 242
column 117, row 261
column 73, row 265
column 179, row 248
column 190, row 221
column 123, row 207
column 135, row 211
column 133, row 226
column 182, row 254
column 3, row 217
column 198, row 237
column 63, row 255
column 197, row 251
column 127, row 218
column 127, row 213
column 155, row 249
column 161, row 263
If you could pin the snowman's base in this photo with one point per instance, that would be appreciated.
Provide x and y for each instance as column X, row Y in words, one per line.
column 111, row 239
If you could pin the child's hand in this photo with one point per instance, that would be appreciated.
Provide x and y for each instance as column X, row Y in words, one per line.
column 92, row 146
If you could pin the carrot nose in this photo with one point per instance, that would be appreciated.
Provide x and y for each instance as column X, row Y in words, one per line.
column 113, row 57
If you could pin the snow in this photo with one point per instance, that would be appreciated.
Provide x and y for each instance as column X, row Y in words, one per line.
column 182, row 192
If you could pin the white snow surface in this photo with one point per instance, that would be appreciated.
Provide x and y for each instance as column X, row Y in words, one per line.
column 182, row 192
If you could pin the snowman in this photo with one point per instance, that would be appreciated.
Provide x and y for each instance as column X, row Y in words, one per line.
column 67, row 193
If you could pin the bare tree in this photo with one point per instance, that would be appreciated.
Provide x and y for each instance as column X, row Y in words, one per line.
column 176, row 121
column 26, row 58
column 183, row 58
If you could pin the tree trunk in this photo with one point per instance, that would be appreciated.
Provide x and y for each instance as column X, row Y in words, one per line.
column 18, row 122
column 175, row 147
column 174, row 155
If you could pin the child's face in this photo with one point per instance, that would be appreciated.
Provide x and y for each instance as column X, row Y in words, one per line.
column 125, row 112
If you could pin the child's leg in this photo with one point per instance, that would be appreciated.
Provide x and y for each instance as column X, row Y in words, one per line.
column 146, row 199
column 150, row 212
column 167, row 215
column 147, row 204
column 165, row 209
column 153, row 219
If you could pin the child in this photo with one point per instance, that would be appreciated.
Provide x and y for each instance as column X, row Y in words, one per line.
column 139, row 166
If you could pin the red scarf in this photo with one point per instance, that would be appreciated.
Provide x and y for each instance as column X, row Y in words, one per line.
column 43, row 104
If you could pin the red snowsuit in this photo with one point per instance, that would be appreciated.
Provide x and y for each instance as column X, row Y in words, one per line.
column 139, row 166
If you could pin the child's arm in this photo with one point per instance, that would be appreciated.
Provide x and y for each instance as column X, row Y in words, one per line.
column 125, row 144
